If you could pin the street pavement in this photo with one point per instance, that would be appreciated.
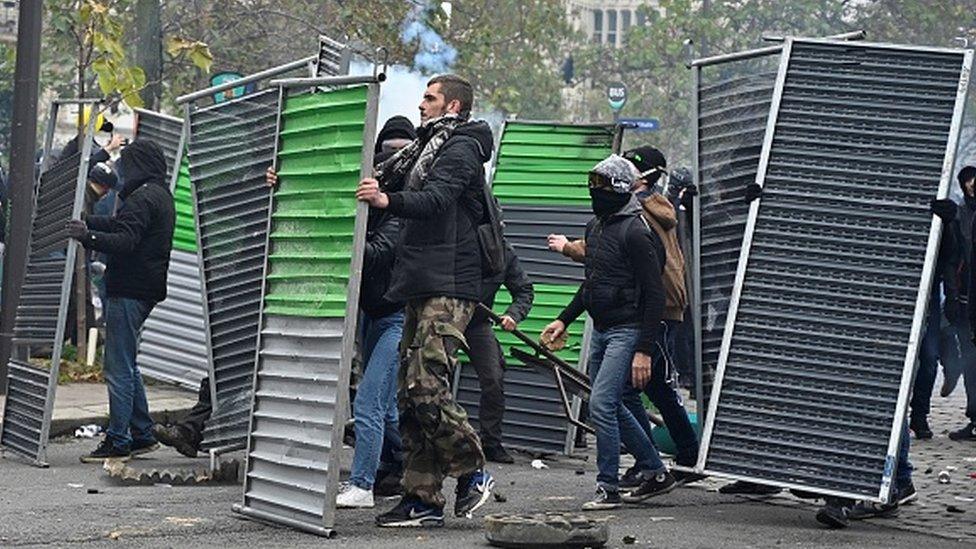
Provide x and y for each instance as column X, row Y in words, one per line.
column 55, row 507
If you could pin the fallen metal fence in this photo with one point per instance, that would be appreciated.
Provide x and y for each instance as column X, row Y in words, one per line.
column 830, row 295
column 173, row 345
column 316, row 238
column 540, row 180
column 41, row 318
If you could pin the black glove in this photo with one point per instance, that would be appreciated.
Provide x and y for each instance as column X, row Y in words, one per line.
column 688, row 195
column 944, row 208
column 77, row 230
column 753, row 191
column 953, row 310
column 681, row 177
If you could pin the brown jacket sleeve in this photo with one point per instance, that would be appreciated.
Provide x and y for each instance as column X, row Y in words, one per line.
column 575, row 250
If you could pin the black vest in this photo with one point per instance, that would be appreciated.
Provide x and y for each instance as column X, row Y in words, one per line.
column 610, row 292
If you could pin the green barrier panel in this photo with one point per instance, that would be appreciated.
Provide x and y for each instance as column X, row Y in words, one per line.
column 548, row 163
column 185, row 232
column 319, row 154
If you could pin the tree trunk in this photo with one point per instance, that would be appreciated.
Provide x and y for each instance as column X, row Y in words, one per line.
column 149, row 50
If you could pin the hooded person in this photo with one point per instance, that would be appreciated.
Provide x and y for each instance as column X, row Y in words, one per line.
column 397, row 133
column 660, row 216
column 623, row 293
column 137, row 241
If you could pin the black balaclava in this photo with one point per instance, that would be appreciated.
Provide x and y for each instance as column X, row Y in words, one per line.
column 606, row 202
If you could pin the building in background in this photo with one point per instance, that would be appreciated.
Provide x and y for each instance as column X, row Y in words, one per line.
column 606, row 21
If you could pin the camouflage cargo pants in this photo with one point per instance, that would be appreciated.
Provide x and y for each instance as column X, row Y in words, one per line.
column 437, row 438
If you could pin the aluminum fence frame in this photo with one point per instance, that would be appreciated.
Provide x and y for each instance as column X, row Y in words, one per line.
column 348, row 332
column 25, row 381
column 172, row 345
column 920, row 304
column 695, row 265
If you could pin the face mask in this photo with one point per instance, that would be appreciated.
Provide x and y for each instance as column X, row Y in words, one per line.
column 606, row 202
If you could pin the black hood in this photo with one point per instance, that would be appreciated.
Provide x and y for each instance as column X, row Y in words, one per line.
column 480, row 131
column 397, row 127
column 141, row 162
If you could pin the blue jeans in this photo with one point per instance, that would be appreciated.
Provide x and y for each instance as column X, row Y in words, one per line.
column 661, row 392
column 375, row 406
column 129, row 421
column 903, row 471
column 611, row 356
column 928, row 358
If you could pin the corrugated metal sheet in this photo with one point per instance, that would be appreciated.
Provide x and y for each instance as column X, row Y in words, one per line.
column 311, row 296
column 231, row 145
column 333, row 57
column 837, row 263
column 733, row 104
column 173, row 345
column 41, row 313
column 540, row 180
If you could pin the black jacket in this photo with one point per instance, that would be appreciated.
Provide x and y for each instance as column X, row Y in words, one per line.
column 438, row 253
column 517, row 283
column 139, row 238
column 624, row 263
column 382, row 230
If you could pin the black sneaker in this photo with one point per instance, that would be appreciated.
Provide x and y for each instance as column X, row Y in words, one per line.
column 906, row 494
column 661, row 483
column 681, row 478
column 387, row 485
column 632, row 479
column 177, row 437
column 869, row 509
column 920, row 426
column 966, row 433
column 498, row 454
column 604, row 499
column 144, row 447
column 473, row 491
column 835, row 514
column 412, row 513
column 106, row 450
column 745, row 488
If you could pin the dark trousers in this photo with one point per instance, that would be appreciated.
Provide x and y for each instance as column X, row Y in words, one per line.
column 198, row 415
column 928, row 359
column 489, row 363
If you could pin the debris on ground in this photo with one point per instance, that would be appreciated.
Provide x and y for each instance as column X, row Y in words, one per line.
column 629, row 540
column 499, row 497
column 93, row 491
column 944, row 477
column 88, row 431
column 539, row 464
column 125, row 474
column 580, row 472
column 954, row 509
column 546, row 530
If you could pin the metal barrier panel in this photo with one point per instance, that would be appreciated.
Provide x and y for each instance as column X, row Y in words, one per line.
column 540, row 180
column 173, row 345
column 732, row 100
column 231, row 144
column 333, row 58
column 316, row 241
column 39, row 325
column 831, row 290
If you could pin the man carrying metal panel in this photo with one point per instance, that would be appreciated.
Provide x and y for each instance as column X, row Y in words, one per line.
column 624, row 294
column 138, row 241
column 438, row 275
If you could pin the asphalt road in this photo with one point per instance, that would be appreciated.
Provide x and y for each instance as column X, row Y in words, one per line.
column 53, row 507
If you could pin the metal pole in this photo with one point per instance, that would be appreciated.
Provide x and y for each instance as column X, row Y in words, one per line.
column 256, row 77
column 23, row 140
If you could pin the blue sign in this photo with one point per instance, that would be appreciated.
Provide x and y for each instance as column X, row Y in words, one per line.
column 641, row 125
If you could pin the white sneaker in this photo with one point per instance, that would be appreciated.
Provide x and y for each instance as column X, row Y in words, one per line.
column 353, row 497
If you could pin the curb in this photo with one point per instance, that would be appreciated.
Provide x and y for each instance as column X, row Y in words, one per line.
column 66, row 426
